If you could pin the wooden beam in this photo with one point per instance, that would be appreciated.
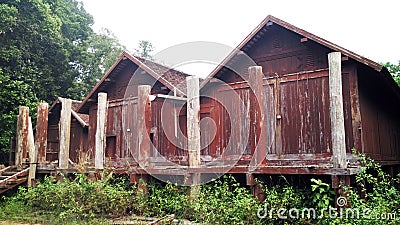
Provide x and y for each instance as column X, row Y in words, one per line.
column 100, row 130
column 143, row 125
column 32, row 154
column 193, row 121
column 65, row 132
column 22, row 136
column 355, row 111
column 257, row 102
column 41, row 131
column 336, row 110
column 193, row 133
column 171, row 97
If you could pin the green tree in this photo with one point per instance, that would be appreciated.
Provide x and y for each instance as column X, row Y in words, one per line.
column 103, row 49
column 145, row 49
column 394, row 70
column 47, row 49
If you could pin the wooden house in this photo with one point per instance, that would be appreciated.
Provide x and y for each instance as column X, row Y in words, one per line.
column 297, row 119
column 283, row 102
column 121, row 84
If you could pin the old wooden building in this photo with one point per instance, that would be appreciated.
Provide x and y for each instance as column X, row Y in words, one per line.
column 78, row 132
column 283, row 102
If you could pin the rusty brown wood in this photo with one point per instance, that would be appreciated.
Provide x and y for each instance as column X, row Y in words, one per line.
column 336, row 110
column 355, row 110
column 41, row 131
column 22, row 136
column 143, row 125
column 258, row 103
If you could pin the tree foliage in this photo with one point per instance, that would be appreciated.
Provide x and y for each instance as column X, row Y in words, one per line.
column 145, row 49
column 394, row 70
column 47, row 49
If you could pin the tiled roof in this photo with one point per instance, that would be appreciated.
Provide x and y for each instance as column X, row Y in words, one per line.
column 173, row 76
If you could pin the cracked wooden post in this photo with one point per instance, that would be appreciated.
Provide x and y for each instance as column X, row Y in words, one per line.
column 41, row 131
column 143, row 125
column 100, row 130
column 257, row 102
column 193, row 131
column 22, row 136
column 32, row 154
column 65, row 132
column 336, row 110
column 39, row 151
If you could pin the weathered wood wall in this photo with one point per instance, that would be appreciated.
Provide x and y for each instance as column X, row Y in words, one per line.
column 296, row 90
column 78, row 138
column 380, row 117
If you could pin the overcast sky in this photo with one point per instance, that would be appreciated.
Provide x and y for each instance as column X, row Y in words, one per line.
column 369, row 28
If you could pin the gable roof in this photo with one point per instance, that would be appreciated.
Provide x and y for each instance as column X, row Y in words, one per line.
column 83, row 119
column 172, row 79
column 261, row 30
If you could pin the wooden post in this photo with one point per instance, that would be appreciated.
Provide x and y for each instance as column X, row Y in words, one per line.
column 65, row 132
column 101, row 130
column 41, row 131
column 193, row 121
column 336, row 111
column 193, row 131
column 257, row 102
column 143, row 125
column 355, row 110
column 22, row 135
column 32, row 154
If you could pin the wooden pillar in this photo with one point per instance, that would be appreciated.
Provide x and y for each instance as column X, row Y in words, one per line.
column 257, row 102
column 193, row 121
column 101, row 130
column 355, row 110
column 22, row 136
column 143, row 125
column 256, row 188
column 336, row 111
column 32, row 154
column 41, row 131
column 65, row 132
column 193, row 132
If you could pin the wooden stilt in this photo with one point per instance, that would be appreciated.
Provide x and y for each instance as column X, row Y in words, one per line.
column 100, row 130
column 65, row 128
column 22, row 136
column 41, row 131
column 256, row 188
column 257, row 102
column 143, row 125
column 32, row 154
column 193, row 131
column 336, row 111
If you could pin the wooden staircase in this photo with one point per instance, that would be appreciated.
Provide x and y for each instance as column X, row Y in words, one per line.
column 11, row 177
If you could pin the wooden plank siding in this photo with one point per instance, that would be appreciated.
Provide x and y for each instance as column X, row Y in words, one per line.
column 296, row 126
column 380, row 120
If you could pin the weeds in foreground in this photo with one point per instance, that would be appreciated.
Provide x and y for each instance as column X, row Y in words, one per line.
column 223, row 201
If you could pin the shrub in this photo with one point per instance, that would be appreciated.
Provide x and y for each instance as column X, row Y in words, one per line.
column 81, row 198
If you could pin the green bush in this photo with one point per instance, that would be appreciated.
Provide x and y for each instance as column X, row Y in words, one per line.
column 223, row 201
column 81, row 198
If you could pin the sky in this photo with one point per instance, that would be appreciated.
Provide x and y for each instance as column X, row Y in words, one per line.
column 369, row 28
